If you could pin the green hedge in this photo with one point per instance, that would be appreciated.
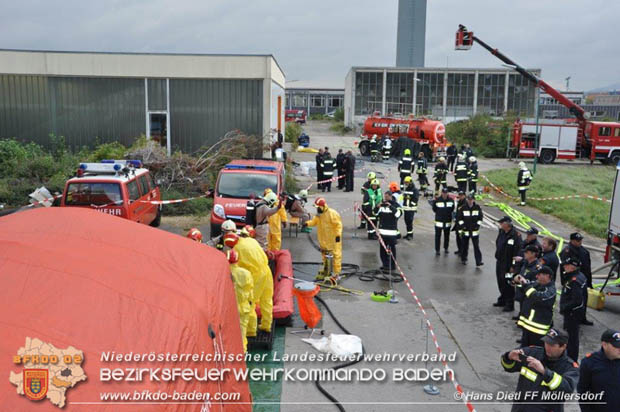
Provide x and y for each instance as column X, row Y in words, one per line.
column 487, row 136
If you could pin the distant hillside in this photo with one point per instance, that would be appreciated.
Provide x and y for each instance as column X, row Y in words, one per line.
column 610, row 88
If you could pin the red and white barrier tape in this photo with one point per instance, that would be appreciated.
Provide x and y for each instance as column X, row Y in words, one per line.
column 169, row 202
column 583, row 196
column 333, row 179
column 457, row 386
column 44, row 200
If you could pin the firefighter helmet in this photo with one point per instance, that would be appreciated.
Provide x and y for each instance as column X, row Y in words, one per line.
column 303, row 194
column 231, row 239
column 233, row 256
column 320, row 202
column 229, row 226
column 271, row 199
column 472, row 159
column 408, row 179
column 195, row 234
column 371, row 175
column 522, row 165
column 442, row 159
column 374, row 182
column 394, row 187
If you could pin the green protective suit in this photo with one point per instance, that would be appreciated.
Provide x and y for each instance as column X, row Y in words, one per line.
column 253, row 258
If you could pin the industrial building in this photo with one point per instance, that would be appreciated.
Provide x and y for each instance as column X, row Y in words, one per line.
column 443, row 93
column 315, row 99
column 184, row 101
column 411, row 33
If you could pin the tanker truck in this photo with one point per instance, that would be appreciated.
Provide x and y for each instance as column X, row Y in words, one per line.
column 430, row 134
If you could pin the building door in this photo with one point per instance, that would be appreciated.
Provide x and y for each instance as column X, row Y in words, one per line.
column 158, row 130
column 157, row 108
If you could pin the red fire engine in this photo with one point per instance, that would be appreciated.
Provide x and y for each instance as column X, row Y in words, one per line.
column 431, row 134
column 582, row 138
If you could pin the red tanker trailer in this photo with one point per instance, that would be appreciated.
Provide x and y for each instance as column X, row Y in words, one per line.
column 431, row 134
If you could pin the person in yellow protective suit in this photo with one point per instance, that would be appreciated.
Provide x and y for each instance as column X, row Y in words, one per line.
column 274, row 241
column 329, row 231
column 244, row 290
column 253, row 258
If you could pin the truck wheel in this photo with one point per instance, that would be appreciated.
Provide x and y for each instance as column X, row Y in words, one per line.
column 547, row 157
column 364, row 149
column 157, row 221
column 614, row 159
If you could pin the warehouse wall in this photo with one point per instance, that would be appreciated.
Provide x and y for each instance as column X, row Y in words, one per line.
column 203, row 110
column 81, row 109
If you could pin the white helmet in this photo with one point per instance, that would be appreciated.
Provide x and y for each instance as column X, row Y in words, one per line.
column 271, row 199
column 442, row 159
column 229, row 226
column 462, row 156
column 472, row 159
column 303, row 194
column 522, row 165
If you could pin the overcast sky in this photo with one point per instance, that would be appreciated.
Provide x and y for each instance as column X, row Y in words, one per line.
column 320, row 40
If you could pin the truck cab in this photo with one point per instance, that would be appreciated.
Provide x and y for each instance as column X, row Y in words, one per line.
column 235, row 182
column 116, row 187
column 613, row 229
column 297, row 116
column 605, row 140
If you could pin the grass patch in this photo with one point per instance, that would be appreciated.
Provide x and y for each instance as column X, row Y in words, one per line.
column 340, row 128
column 592, row 216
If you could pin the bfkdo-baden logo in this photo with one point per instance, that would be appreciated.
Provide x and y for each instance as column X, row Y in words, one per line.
column 49, row 372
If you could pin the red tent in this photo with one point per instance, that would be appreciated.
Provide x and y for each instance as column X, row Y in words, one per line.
column 101, row 284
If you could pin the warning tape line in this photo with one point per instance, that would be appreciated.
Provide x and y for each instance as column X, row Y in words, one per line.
column 583, row 196
column 457, row 386
column 333, row 179
column 44, row 200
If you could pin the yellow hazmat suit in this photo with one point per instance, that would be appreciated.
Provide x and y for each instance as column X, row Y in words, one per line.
column 329, row 231
column 274, row 241
column 253, row 258
column 244, row 290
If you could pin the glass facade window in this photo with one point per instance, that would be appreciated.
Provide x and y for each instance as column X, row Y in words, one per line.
column 299, row 100
column 491, row 94
column 460, row 96
column 429, row 95
column 336, row 101
column 368, row 92
column 399, row 93
column 521, row 95
column 317, row 101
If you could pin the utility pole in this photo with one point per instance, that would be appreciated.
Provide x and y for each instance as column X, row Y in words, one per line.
column 567, row 83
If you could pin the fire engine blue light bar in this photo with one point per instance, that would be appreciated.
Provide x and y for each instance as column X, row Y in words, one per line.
column 241, row 167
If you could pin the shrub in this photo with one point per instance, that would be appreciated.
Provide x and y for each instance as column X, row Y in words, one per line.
column 113, row 150
column 290, row 184
column 487, row 136
column 339, row 128
column 339, row 115
column 292, row 132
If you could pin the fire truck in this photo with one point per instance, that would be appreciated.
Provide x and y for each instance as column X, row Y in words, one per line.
column 431, row 134
column 572, row 139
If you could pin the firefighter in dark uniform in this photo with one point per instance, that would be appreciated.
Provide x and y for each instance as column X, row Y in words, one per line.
column 455, row 228
column 461, row 173
column 443, row 206
column 387, row 213
column 250, row 210
column 372, row 198
column 405, row 165
column 374, row 148
column 319, row 170
column 528, row 268
column 537, row 308
column 543, row 371
column 600, row 373
column 549, row 255
column 327, row 165
column 451, row 152
column 386, row 148
column 469, row 219
column 340, row 169
column 472, row 175
column 410, row 205
column 508, row 244
column 575, row 249
column 440, row 175
column 573, row 302
column 422, row 170
column 370, row 177
column 530, row 240
column 524, row 178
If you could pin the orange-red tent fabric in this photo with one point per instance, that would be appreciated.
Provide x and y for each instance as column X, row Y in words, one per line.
column 100, row 283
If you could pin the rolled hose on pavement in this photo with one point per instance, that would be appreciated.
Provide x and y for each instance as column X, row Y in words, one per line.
column 344, row 365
